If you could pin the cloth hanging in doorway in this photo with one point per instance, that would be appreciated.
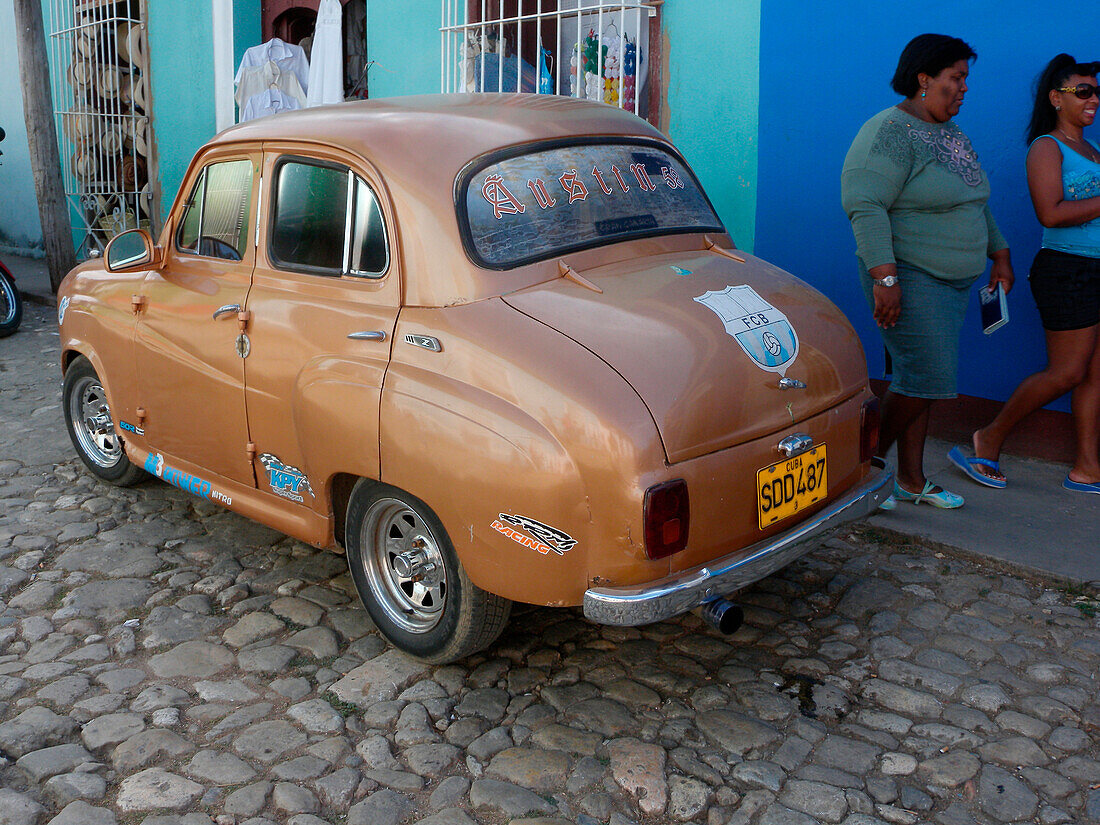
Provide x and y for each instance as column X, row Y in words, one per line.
column 270, row 79
column 287, row 56
column 326, row 69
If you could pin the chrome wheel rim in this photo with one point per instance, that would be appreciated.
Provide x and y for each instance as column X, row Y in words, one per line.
column 92, row 423
column 392, row 534
column 7, row 300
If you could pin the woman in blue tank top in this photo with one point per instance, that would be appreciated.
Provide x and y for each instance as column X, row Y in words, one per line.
column 1063, row 175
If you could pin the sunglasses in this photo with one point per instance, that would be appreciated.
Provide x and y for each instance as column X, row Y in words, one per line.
column 1083, row 91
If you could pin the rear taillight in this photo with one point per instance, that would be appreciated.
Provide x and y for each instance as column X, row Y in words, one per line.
column 868, row 430
column 667, row 516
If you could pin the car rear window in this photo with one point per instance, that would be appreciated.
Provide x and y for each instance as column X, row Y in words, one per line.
column 531, row 206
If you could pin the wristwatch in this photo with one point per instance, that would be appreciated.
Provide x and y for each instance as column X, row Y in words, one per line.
column 889, row 280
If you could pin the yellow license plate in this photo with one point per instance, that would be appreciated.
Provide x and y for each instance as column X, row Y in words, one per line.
column 791, row 485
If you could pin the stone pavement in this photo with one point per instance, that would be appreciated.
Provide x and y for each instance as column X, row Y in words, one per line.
column 164, row 662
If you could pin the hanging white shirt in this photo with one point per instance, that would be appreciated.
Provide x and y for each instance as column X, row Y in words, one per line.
column 288, row 57
column 268, row 102
column 252, row 80
column 326, row 69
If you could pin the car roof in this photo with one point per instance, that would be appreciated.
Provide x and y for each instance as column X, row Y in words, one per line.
column 454, row 127
column 418, row 145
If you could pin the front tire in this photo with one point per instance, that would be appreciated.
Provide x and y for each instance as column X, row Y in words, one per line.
column 410, row 580
column 91, row 427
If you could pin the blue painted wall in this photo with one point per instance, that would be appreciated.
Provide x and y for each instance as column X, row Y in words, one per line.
column 824, row 71
column 20, row 230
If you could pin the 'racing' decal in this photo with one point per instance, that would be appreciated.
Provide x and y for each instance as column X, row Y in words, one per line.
column 546, row 539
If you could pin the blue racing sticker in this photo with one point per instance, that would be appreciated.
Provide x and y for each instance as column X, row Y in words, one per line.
column 679, row 270
column 64, row 305
column 154, row 463
column 286, row 481
column 130, row 428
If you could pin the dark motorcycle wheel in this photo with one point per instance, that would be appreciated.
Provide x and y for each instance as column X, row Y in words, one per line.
column 11, row 305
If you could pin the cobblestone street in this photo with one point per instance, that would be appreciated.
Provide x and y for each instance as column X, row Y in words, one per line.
column 165, row 662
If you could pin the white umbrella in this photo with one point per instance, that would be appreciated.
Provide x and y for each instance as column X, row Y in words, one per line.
column 326, row 60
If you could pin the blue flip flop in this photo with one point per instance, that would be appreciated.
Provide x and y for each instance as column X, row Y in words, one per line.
column 966, row 464
column 1081, row 486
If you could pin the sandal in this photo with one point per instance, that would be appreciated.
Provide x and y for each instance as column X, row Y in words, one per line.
column 967, row 463
column 943, row 499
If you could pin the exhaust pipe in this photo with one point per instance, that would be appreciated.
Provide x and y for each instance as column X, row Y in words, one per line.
column 723, row 615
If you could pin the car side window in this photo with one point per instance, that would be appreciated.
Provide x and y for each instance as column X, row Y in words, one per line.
column 218, row 214
column 312, row 229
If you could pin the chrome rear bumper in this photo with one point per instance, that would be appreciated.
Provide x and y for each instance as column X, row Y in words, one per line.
column 687, row 589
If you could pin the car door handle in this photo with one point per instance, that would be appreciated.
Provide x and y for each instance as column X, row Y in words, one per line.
column 226, row 310
column 373, row 335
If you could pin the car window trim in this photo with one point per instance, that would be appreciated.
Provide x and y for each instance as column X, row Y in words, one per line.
column 473, row 167
column 349, row 222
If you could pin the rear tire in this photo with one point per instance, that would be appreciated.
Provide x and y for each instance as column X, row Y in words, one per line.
column 92, row 429
column 11, row 304
column 433, row 611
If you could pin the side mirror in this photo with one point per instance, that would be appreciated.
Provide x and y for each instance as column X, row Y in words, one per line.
column 129, row 249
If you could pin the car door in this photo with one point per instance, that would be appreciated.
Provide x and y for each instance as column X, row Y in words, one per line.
column 322, row 308
column 189, row 355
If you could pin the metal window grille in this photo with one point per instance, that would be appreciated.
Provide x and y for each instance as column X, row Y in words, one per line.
column 594, row 49
column 99, row 66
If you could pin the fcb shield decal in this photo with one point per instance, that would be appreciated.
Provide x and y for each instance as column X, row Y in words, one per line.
column 763, row 332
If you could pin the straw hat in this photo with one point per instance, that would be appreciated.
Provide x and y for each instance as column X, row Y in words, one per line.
column 85, row 164
column 84, row 41
column 140, row 93
column 109, row 81
column 130, row 43
column 136, row 134
column 81, row 72
column 80, row 125
column 111, row 140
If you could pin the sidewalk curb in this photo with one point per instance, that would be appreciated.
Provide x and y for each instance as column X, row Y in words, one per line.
column 981, row 559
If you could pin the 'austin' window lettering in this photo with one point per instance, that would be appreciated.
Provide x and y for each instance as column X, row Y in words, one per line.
column 569, row 182
column 643, row 178
column 538, row 189
column 599, row 179
column 503, row 201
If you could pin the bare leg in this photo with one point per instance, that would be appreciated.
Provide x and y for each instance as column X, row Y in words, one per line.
column 905, row 421
column 1086, row 422
column 1068, row 357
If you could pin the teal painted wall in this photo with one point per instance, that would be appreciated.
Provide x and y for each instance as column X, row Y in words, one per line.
column 20, row 230
column 403, row 41
column 712, row 58
column 182, row 66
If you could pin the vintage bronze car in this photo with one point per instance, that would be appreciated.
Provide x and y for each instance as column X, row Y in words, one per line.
column 494, row 348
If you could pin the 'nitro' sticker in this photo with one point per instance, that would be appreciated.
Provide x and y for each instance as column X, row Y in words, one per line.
column 286, row 481
column 762, row 331
column 546, row 539
column 154, row 463
column 64, row 305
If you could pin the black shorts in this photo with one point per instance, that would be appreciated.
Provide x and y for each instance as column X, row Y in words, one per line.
column 1066, row 289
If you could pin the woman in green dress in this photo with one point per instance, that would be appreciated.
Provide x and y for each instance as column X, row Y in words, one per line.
column 918, row 202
